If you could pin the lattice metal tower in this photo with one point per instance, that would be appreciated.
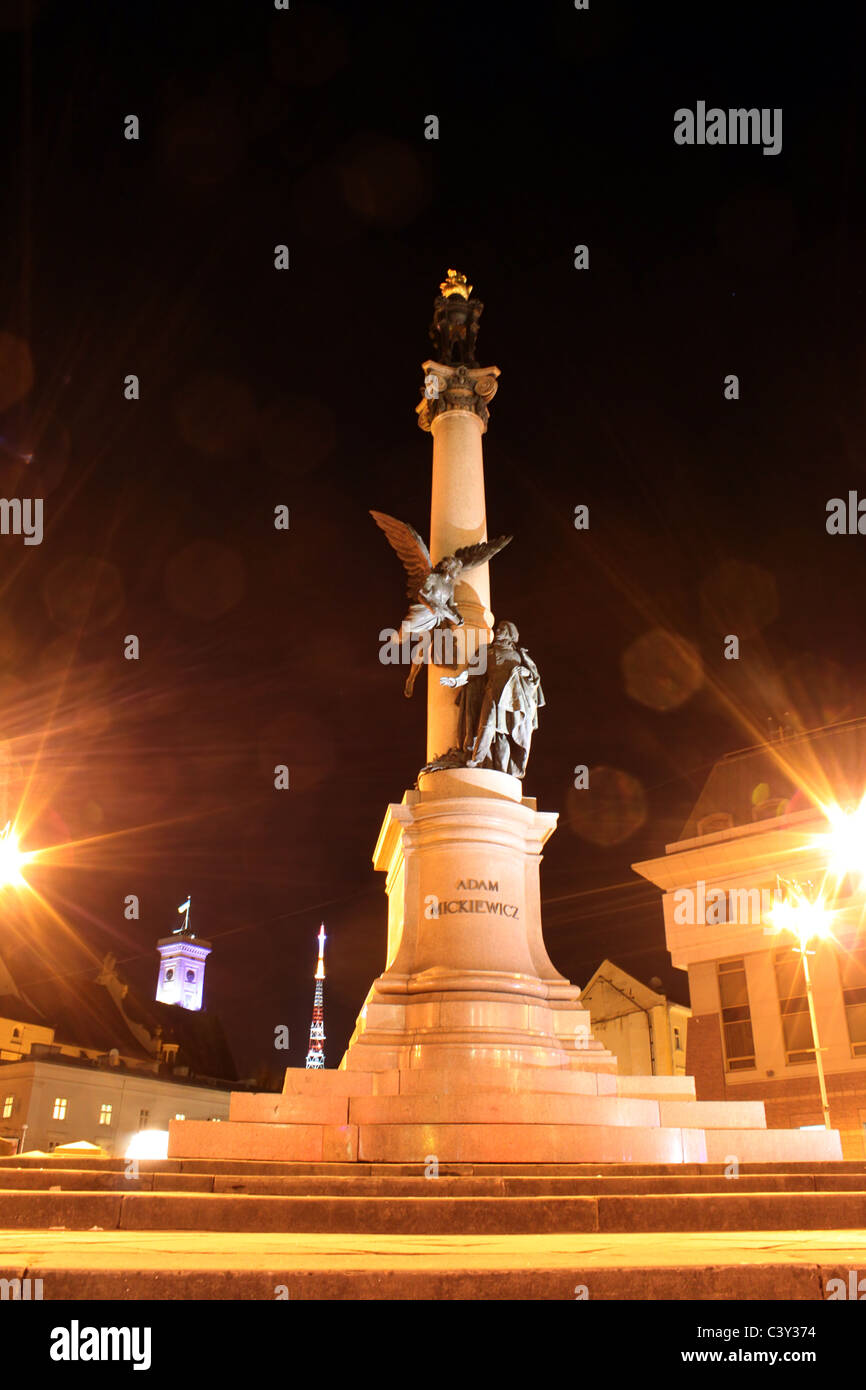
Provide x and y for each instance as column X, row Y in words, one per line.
column 316, row 1054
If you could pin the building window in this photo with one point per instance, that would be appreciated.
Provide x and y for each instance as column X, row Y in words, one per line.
column 716, row 821
column 105, row 1114
column 736, row 1018
column 59, row 1112
column 7, row 1106
column 678, row 1046
column 16, row 1032
column 773, row 806
column 143, row 1117
column 180, row 1117
column 852, row 971
column 794, row 1004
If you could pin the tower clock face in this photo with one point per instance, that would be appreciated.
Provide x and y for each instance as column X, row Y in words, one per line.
column 190, row 976
column 169, row 974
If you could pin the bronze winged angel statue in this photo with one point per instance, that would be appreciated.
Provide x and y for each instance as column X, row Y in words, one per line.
column 430, row 588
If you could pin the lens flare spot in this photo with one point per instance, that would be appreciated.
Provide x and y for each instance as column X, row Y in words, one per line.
column 760, row 794
column 661, row 670
column 382, row 182
column 297, row 435
column 216, row 415
column 739, row 598
column 610, row 810
column 16, row 369
column 83, row 594
column 204, row 580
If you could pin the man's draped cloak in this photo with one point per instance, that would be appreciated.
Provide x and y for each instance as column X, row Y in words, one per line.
column 499, row 711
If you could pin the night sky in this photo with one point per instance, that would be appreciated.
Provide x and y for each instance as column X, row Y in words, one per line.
column 259, row 388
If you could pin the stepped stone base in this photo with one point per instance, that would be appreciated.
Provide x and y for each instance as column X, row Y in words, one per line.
column 488, row 1114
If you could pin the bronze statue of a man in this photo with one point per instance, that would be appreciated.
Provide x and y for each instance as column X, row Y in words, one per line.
column 499, row 708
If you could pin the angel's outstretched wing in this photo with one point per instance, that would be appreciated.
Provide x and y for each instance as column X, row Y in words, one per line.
column 410, row 548
column 472, row 555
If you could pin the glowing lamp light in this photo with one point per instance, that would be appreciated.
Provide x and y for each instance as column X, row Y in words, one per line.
column 148, row 1143
column 12, row 859
column 846, row 842
column 804, row 919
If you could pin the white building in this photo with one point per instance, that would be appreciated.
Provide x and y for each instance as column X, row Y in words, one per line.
column 45, row 1103
column 645, row 1030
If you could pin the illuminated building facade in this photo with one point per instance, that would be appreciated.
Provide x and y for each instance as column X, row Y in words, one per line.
column 757, row 822
column 49, row 1100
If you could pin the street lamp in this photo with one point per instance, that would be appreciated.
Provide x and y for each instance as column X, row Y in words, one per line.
column 808, row 921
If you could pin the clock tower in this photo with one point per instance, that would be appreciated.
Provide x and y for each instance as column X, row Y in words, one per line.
column 182, row 958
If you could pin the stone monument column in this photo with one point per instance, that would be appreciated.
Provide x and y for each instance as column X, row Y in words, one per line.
column 467, row 973
column 455, row 411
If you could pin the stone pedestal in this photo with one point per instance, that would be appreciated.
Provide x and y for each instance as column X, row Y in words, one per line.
column 467, row 977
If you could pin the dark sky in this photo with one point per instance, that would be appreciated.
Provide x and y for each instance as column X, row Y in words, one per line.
column 259, row 647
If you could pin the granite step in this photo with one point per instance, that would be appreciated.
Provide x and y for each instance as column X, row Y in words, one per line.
column 247, row 1167
column 444, row 1081
column 571, row 1105
column 495, row 1108
column 397, row 1186
column 431, row 1215
column 781, row 1266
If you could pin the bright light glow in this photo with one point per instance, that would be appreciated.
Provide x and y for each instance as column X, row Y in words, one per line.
column 805, row 919
column 320, row 966
column 148, row 1143
column 846, row 843
column 12, row 859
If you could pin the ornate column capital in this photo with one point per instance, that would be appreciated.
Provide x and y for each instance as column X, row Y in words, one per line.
column 456, row 388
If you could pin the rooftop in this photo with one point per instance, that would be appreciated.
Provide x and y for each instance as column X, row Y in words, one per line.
column 779, row 777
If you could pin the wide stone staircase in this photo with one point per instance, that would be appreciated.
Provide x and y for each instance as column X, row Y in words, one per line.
column 210, row 1228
